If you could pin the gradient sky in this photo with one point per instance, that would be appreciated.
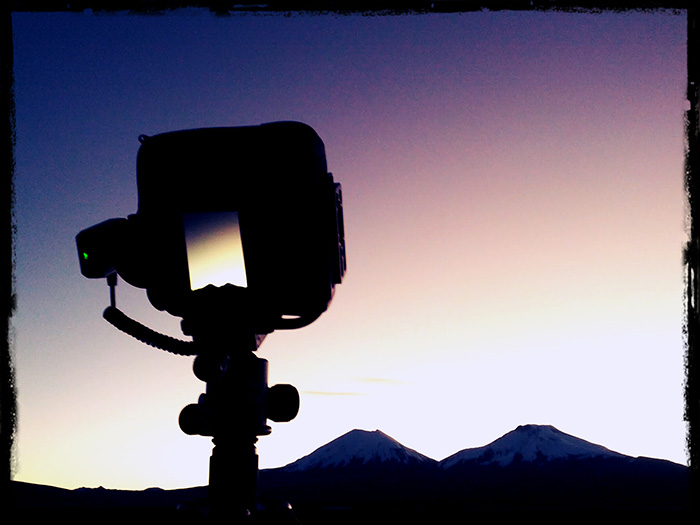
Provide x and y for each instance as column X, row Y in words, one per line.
column 514, row 214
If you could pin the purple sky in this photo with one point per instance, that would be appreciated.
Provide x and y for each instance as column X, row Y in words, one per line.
column 514, row 210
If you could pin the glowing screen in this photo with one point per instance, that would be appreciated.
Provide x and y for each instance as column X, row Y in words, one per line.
column 214, row 249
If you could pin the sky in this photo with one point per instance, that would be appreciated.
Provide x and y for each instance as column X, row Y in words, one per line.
column 514, row 214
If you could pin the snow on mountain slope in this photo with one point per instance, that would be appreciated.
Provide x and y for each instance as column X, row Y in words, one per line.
column 531, row 443
column 359, row 446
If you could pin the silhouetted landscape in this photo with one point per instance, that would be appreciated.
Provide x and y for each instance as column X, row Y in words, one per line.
column 368, row 477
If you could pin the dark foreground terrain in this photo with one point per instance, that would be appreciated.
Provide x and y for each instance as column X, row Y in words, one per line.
column 50, row 504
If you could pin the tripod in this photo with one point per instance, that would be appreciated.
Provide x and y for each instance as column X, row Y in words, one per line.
column 235, row 406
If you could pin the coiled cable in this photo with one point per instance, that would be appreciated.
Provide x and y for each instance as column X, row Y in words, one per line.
column 146, row 335
column 126, row 324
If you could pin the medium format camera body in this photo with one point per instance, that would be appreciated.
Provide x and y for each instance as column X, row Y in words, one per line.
column 241, row 220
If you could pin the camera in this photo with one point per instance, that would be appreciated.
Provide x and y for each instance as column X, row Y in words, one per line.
column 244, row 218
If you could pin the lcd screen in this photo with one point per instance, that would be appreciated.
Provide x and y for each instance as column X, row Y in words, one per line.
column 214, row 249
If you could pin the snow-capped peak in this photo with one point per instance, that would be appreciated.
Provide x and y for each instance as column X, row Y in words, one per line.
column 358, row 446
column 531, row 443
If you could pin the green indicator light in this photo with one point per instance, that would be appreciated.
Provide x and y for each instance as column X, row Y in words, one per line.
column 85, row 256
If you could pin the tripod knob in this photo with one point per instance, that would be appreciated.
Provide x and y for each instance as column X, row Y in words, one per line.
column 282, row 403
column 208, row 367
column 196, row 420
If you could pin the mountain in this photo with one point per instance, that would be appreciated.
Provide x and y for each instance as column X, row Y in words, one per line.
column 359, row 467
column 359, row 447
column 538, row 466
column 530, row 443
column 533, row 467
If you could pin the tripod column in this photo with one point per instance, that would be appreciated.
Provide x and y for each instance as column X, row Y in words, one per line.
column 237, row 402
column 233, row 479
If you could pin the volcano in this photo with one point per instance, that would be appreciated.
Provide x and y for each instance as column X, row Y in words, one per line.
column 530, row 443
column 360, row 447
